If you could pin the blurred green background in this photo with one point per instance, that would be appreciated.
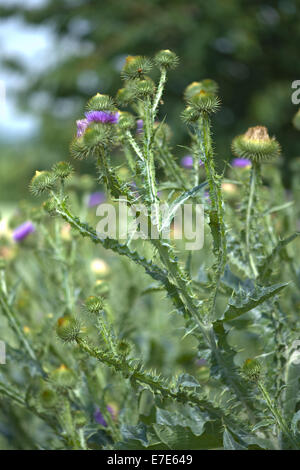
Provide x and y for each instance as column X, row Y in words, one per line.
column 57, row 53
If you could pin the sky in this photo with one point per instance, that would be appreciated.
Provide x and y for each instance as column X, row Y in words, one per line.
column 34, row 46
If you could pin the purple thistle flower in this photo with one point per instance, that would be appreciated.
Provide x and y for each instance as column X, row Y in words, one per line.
column 96, row 198
column 188, row 162
column 23, row 231
column 105, row 117
column 81, row 126
column 241, row 162
column 139, row 126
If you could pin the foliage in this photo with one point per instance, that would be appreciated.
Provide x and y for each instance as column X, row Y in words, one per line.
column 156, row 347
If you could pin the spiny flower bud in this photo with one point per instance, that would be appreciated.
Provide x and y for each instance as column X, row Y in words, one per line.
column 94, row 304
column 124, row 347
column 190, row 115
column 78, row 150
column 62, row 170
column 142, row 88
column 126, row 121
column 207, row 85
column 204, row 102
column 136, row 67
column 251, row 369
column 68, row 328
column 166, row 59
column 124, row 96
column 63, row 376
column 41, row 182
column 256, row 145
column 101, row 102
column 48, row 398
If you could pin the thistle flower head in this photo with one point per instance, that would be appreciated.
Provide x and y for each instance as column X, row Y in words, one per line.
column 251, row 369
column 62, row 170
column 82, row 125
column 101, row 102
column 256, row 145
column 94, row 304
column 166, row 59
column 48, row 397
column 136, row 67
column 21, row 232
column 105, row 117
column 126, row 121
column 207, row 85
column 63, row 376
column 204, row 101
column 124, row 96
column 95, row 138
column 41, row 182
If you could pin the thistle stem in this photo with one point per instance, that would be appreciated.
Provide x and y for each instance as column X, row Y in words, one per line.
column 278, row 418
column 253, row 182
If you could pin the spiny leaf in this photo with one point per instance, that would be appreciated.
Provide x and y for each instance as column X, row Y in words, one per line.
column 245, row 302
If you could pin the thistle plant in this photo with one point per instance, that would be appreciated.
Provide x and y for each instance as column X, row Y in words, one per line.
column 140, row 343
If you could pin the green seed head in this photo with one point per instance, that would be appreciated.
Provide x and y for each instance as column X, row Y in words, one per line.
column 256, row 145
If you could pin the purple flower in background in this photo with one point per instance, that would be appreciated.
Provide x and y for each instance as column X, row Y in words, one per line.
column 81, row 126
column 207, row 197
column 241, row 162
column 96, row 198
column 188, row 162
column 139, row 126
column 105, row 117
column 99, row 418
column 23, row 231
column 201, row 362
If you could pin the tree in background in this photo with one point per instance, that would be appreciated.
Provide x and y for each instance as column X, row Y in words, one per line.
column 249, row 47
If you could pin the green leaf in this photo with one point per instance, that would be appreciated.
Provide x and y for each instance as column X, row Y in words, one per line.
column 294, row 423
column 187, row 380
column 243, row 302
column 179, row 201
column 230, row 443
